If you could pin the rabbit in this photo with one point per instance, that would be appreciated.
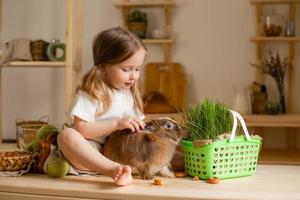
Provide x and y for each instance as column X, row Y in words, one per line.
column 149, row 151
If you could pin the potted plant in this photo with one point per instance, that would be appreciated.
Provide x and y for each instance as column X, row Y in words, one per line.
column 137, row 23
column 224, row 155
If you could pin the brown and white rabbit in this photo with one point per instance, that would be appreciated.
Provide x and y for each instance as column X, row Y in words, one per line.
column 149, row 151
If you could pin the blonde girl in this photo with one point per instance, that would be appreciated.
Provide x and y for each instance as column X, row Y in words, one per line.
column 107, row 99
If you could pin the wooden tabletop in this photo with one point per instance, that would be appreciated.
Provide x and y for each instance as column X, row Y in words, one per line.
column 269, row 182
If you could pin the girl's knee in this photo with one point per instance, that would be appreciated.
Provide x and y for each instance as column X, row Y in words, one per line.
column 66, row 136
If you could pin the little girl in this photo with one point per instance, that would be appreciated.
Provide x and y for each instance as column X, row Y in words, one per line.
column 107, row 99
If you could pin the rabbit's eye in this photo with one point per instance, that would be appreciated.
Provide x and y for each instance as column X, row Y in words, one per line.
column 169, row 125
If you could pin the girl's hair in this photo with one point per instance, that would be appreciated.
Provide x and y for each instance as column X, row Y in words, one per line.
column 110, row 47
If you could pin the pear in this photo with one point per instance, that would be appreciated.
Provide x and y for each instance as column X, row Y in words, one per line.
column 33, row 147
column 57, row 167
column 44, row 131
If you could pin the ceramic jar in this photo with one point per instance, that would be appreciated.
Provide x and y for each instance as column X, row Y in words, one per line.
column 56, row 51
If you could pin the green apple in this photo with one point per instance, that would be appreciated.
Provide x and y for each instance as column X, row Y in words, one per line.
column 57, row 167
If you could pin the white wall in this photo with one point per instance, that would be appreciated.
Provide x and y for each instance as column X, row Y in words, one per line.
column 212, row 43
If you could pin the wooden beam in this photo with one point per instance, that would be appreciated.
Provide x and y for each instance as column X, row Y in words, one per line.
column 69, row 53
column 78, row 62
column 1, row 96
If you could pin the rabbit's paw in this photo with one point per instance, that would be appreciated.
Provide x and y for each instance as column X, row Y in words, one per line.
column 146, row 176
column 166, row 172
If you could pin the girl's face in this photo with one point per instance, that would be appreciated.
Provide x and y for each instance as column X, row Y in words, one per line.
column 125, row 74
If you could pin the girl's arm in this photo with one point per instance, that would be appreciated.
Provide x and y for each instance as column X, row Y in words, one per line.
column 91, row 130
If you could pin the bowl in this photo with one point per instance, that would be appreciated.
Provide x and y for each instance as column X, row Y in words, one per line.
column 159, row 34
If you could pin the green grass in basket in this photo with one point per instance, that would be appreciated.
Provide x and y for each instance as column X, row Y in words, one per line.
column 206, row 120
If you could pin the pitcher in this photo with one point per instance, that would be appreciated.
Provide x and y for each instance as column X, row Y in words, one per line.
column 241, row 101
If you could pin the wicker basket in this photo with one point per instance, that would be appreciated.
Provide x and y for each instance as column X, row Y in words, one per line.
column 38, row 50
column 16, row 160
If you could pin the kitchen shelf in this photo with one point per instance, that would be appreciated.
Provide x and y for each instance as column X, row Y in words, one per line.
column 275, row 39
column 274, row 1
column 158, row 41
column 34, row 64
column 150, row 4
column 283, row 120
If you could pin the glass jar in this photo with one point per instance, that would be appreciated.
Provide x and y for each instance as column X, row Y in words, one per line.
column 273, row 24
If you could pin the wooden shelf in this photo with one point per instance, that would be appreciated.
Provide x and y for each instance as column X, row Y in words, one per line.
column 34, row 64
column 146, row 4
column 284, row 120
column 275, row 39
column 158, row 41
column 274, row 1
column 279, row 157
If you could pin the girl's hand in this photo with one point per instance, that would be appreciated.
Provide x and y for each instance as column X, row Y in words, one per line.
column 133, row 123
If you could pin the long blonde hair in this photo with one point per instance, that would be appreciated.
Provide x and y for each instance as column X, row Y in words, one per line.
column 110, row 47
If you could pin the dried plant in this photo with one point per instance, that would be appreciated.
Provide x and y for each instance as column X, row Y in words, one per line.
column 276, row 68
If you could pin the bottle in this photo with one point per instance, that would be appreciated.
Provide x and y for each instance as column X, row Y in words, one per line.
column 56, row 51
column 290, row 28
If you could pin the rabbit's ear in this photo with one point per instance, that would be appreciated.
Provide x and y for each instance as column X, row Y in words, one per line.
column 150, row 126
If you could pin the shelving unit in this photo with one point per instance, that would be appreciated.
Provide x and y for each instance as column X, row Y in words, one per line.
column 67, row 64
column 290, row 120
column 166, row 78
column 167, row 5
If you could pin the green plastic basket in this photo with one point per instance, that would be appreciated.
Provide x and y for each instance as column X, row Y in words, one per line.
column 228, row 158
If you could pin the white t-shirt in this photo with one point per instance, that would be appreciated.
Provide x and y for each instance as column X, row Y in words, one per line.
column 84, row 107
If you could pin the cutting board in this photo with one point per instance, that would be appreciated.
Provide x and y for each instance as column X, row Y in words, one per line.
column 167, row 79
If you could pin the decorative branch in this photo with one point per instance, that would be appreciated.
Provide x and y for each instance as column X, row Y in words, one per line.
column 277, row 69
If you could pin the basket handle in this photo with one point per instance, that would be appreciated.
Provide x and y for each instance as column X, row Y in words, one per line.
column 236, row 117
column 44, row 118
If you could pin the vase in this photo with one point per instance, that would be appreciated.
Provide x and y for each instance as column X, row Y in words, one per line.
column 282, row 103
column 272, row 108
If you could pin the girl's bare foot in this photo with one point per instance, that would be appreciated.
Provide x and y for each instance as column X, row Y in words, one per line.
column 122, row 175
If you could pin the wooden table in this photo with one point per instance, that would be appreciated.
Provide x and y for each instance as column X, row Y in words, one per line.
column 269, row 182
